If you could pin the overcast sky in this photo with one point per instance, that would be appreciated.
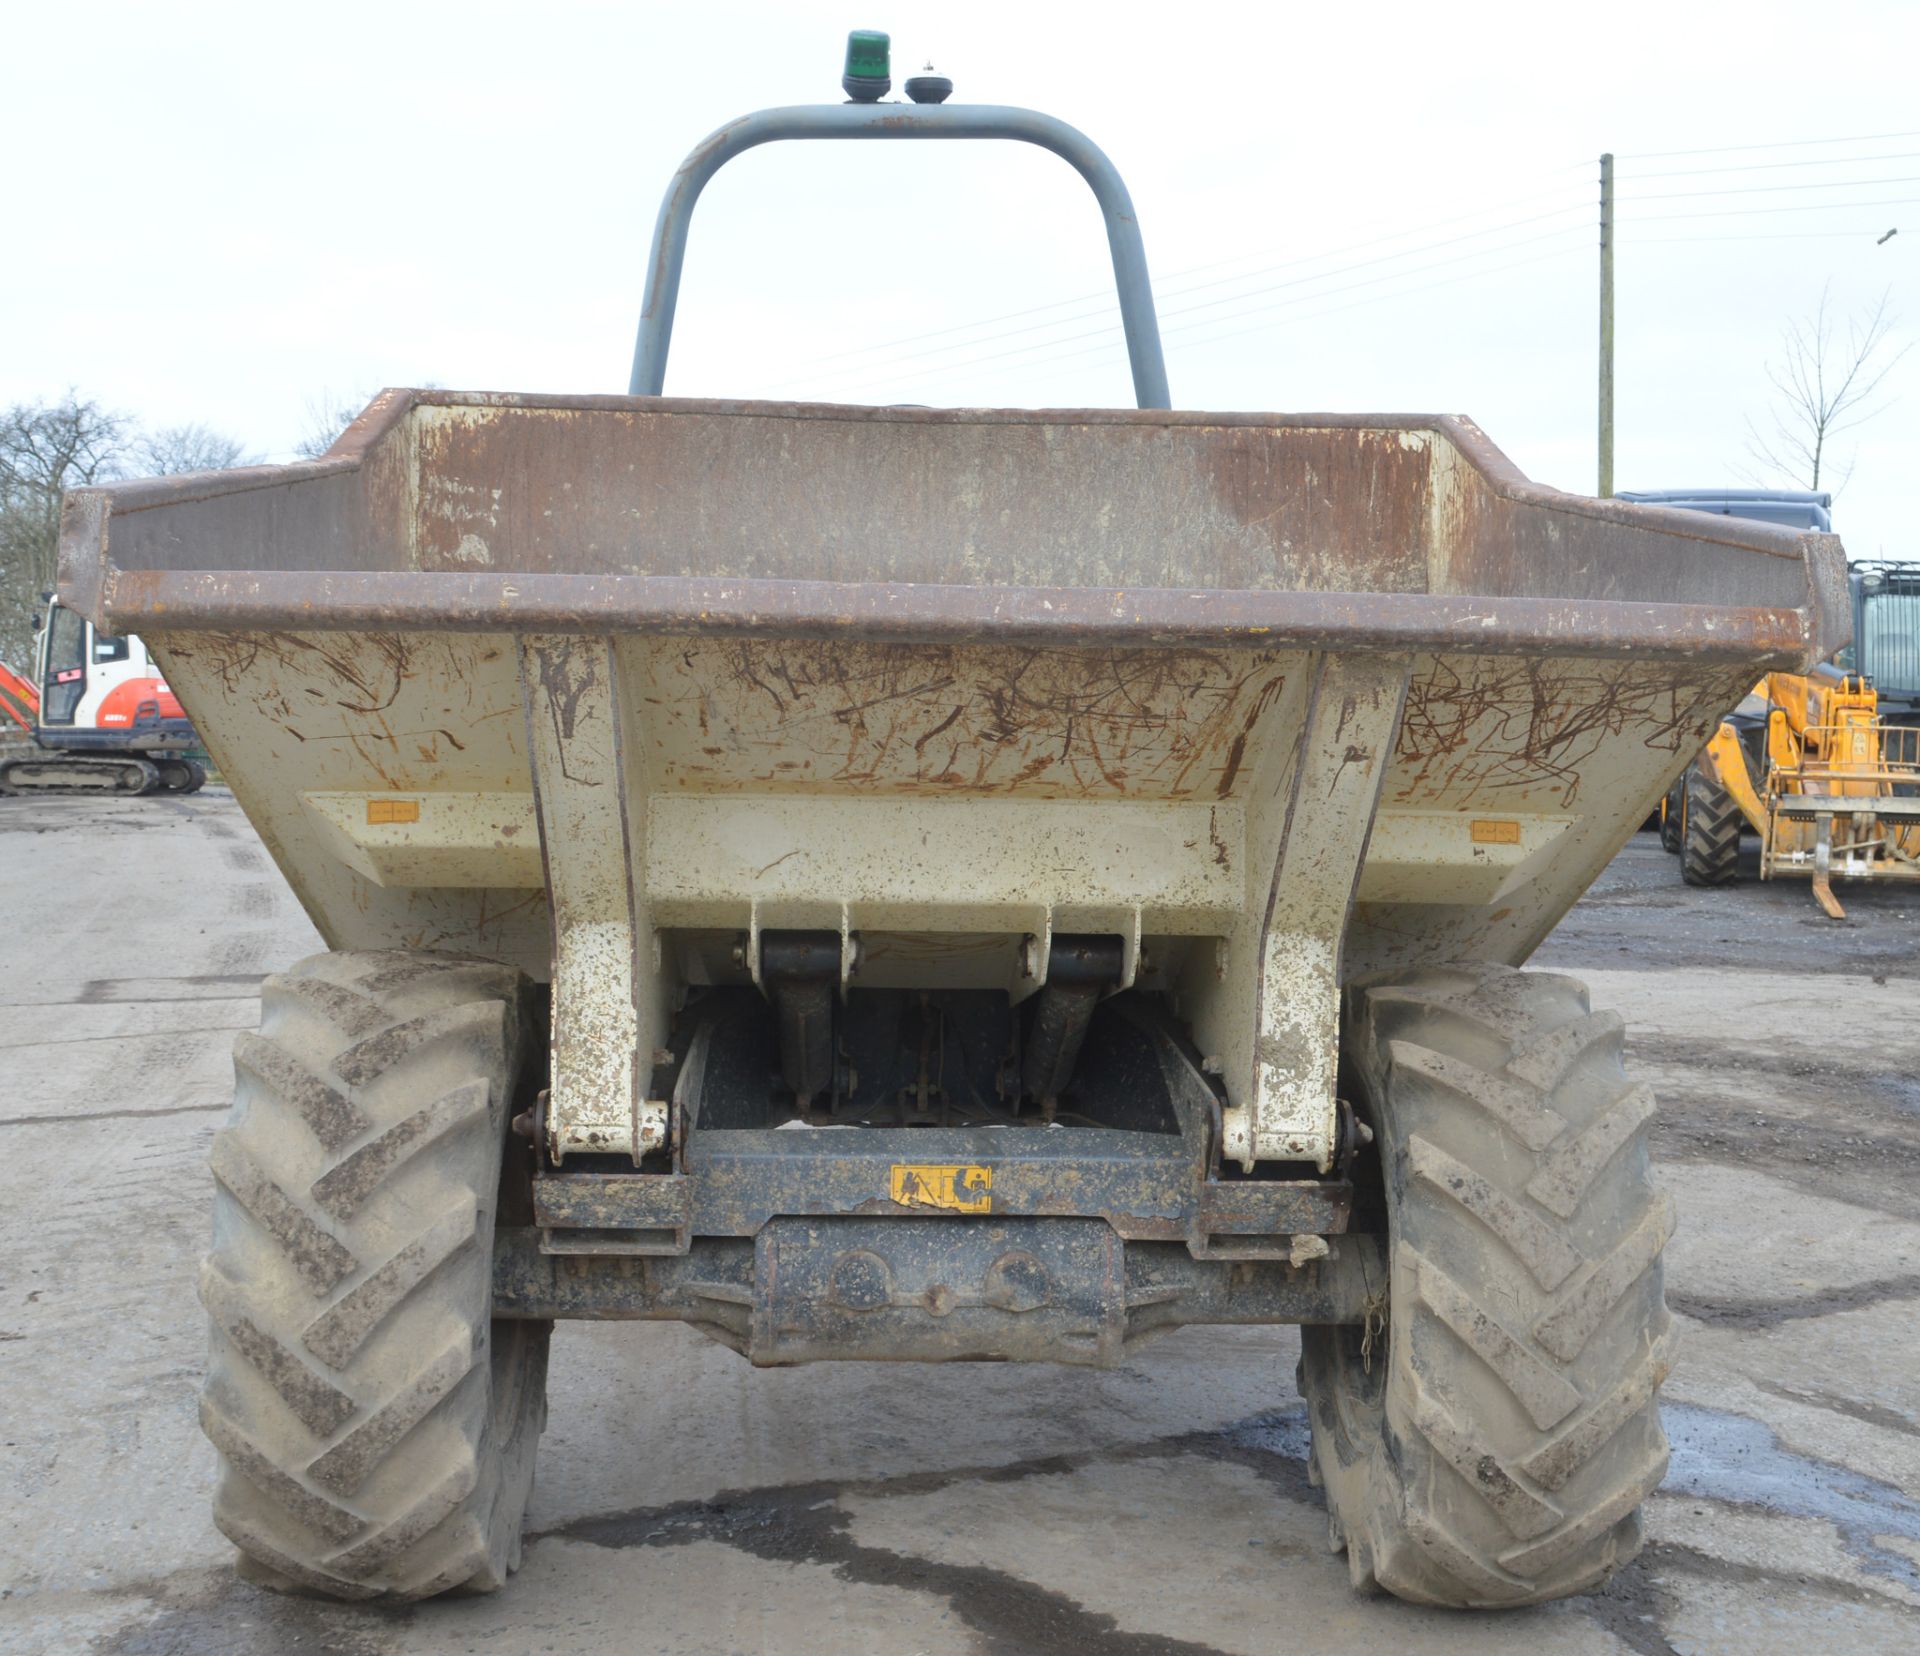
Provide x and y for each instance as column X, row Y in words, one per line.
column 1385, row 207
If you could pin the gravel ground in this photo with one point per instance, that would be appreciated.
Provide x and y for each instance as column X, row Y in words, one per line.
column 687, row 1503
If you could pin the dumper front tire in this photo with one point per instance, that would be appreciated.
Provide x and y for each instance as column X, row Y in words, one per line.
column 376, row 1427
column 1487, row 1438
column 1709, row 832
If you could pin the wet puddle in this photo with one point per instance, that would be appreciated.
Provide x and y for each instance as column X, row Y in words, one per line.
column 1726, row 1458
column 1731, row 1458
column 1904, row 1091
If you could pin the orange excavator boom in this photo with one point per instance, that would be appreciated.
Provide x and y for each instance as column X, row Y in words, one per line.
column 19, row 699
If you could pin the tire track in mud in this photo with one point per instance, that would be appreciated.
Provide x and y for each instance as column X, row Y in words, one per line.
column 1867, row 1413
column 1728, row 1460
column 1720, row 1457
column 1837, row 1128
column 1771, row 1313
column 1010, row 1616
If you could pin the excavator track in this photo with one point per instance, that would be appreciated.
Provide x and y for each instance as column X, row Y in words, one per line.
column 69, row 773
column 181, row 775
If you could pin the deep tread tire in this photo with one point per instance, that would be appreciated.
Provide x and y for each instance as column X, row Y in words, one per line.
column 1490, row 1441
column 1709, row 832
column 376, row 1427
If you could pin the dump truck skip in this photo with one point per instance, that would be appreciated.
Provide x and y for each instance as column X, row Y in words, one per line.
column 899, row 884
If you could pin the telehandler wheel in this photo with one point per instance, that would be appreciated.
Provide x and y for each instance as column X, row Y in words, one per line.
column 1709, row 832
column 376, row 1427
column 1488, row 1438
column 1670, row 817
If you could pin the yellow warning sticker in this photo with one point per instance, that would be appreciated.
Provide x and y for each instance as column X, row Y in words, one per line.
column 393, row 810
column 1494, row 832
column 963, row 1189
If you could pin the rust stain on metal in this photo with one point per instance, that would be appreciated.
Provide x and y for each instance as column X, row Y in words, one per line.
column 891, row 606
column 1343, row 510
column 990, row 719
column 1474, row 729
column 445, row 509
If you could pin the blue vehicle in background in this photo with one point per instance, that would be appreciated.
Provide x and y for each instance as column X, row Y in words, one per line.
column 1885, row 595
column 1702, row 822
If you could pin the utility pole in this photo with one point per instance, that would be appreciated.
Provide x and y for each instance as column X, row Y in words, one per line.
column 1606, row 327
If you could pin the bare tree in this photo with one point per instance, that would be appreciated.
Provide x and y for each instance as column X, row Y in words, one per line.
column 1823, row 384
column 188, row 448
column 45, row 448
column 327, row 416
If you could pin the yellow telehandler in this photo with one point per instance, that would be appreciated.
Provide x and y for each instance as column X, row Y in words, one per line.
column 1808, row 763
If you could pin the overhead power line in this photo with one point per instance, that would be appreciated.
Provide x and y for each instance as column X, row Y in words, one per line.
column 1403, row 293
column 1790, row 143
column 964, row 341
column 1776, row 166
column 1870, row 232
column 1110, row 343
column 1772, row 189
column 1115, row 353
column 1166, row 291
column 867, row 375
column 1750, row 212
column 1380, row 258
column 1374, row 281
column 1107, row 326
column 1109, row 330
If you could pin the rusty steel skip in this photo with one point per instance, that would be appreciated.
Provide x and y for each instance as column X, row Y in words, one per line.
column 1349, row 695
column 1028, row 790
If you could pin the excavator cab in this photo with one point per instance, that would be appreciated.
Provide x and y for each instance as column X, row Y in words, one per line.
column 106, row 721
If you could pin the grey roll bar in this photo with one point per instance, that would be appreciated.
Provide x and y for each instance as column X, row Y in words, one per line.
column 895, row 120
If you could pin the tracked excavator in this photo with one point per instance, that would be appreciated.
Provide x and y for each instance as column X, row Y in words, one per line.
column 98, row 715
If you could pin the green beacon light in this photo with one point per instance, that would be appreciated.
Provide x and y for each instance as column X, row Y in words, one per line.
column 869, row 77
